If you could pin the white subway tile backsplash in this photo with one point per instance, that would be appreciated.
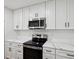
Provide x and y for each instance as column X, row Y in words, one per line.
column 65, row 35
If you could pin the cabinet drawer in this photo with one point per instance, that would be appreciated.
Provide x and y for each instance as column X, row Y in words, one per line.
column 48, row 56
column 65, row 53
column 7, row 43
column 49, row 50
column 10, row 44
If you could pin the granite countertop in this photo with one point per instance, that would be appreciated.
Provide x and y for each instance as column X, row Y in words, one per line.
column 60, row 45
column 63, row 44
column 54, row 43
column 18, row 40
column 49, row 44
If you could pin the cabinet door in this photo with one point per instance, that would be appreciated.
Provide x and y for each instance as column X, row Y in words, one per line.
column 61, row 14
column 25, row 18
column 8, row 49
column 48, row 56
column 8, row 52
column 50, row 14
column 42, row 10
column 70, row 14
column 34, row 11
column 18, row 19
column 37, row 11
column 14, row 49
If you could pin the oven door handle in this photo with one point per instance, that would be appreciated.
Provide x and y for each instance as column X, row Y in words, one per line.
column 32, row 47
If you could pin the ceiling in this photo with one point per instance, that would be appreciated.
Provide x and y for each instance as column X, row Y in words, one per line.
column 14, row 4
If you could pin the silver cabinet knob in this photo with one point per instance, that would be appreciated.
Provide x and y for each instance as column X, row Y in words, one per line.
column 71, row 55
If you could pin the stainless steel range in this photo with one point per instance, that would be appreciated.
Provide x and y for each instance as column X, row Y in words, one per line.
column 33, row 49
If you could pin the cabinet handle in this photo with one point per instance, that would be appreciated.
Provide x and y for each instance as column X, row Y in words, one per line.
column 17, row 26
column 71, row 55
column 65, row 24
column 48, row 51
column 68, row 24
column 36, row 14
column 19, row 51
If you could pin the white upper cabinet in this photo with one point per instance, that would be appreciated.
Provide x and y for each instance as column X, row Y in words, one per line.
column 18, row 19
column 34, row 11
column 25, row 18
column 70, row 14
column 50, row 14
column 37, row 11
column 64, row 14
column 42, row 10
column 61, row 14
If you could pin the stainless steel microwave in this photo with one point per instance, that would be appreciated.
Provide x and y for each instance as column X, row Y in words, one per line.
column 37, row 23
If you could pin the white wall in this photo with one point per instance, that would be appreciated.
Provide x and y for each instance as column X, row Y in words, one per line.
column 8, row 19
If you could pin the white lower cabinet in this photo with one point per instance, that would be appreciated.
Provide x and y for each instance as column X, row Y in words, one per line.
column 8, row 52
column 13, row 50
column 60, row 54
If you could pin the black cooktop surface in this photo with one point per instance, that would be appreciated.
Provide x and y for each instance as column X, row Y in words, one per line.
column 32, row 43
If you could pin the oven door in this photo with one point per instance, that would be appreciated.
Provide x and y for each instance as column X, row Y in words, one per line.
column 30, row 52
